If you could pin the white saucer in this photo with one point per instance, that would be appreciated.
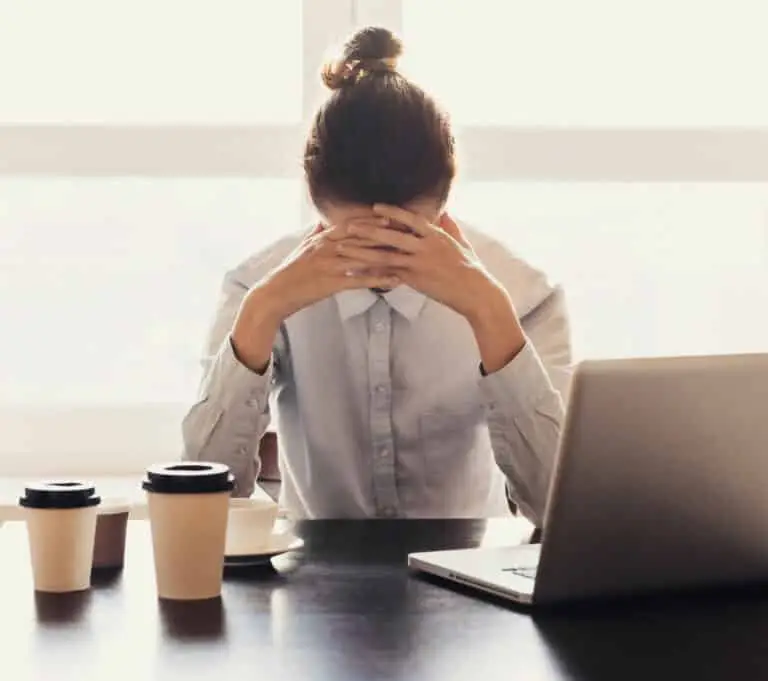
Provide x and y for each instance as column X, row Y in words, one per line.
column 276, row 545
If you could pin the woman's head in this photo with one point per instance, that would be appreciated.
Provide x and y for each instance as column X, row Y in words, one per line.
column 379, row 138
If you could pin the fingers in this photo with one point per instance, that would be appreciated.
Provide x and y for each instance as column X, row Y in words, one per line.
column 374, row 257
column 371, row 220
column 335, row 248
column 330, row 233
column 366, row 280
column 321, row 234
column 314, row 234
column 357, row 242
column 352, row 267
column 386, row 236
column 338, row 232
column 417, row 223
column 449, row 226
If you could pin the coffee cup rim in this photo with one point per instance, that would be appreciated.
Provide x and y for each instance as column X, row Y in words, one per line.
column 188, row 477
column 59, row 494
column 114, row 506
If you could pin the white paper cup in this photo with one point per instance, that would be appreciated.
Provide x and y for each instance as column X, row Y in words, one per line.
column 188, row 506
column 250, row 526
column 61, row 527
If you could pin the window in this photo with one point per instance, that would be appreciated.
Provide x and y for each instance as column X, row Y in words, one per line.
column 616, row 148
column 107, row 287
column 593, row 63
column 148, row 62
column 148, row 147
column 111, row 304
column 649, row 269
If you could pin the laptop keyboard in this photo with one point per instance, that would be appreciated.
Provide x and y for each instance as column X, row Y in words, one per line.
column 529, row 572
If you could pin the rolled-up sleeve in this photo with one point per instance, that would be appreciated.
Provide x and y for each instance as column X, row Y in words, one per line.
column 525, row 406
column 231, row 413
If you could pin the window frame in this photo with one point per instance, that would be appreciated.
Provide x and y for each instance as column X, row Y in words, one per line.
column 507, row 152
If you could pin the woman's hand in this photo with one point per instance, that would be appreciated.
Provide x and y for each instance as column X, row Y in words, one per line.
column 436, row 260
column 314, row 271
column 439, row 261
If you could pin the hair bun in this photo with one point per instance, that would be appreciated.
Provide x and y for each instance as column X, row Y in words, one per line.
column 371, row 50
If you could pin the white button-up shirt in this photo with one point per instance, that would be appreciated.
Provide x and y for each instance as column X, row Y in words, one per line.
column 379, row 403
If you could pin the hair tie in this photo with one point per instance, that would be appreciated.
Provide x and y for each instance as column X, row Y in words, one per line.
column 356, row 69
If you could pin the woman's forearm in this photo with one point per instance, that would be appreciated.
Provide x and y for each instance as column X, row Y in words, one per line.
column 497, row 330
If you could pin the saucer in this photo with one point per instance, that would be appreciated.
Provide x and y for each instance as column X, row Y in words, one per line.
column 277, row 544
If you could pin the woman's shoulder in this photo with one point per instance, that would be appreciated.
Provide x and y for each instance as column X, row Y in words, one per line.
column 526, row 283
column 261, row 262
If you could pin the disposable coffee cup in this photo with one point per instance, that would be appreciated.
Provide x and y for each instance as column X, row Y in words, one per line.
column 111, row 529
column 61, row 526
column 188, row 506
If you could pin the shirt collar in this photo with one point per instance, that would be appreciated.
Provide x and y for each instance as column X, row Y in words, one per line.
column 402, row 299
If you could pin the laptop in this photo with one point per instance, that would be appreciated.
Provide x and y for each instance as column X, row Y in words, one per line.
column 660, row 484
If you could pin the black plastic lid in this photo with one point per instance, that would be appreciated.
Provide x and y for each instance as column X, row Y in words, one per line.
column 198, row 477
column 59, row 494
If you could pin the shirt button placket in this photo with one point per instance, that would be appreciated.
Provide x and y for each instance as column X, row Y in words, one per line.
column 380, row 401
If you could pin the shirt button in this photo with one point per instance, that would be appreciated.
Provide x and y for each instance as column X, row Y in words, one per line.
column 389, row 512
column 381, row 389
column 384, row 453
column 378, row 327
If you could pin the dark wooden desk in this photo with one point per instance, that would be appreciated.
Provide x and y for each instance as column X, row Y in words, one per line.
column 347, row 609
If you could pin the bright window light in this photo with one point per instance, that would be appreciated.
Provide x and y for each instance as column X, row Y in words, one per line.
column 150, row 61
column 107, row 286
column 593, row 63
column 649, row 269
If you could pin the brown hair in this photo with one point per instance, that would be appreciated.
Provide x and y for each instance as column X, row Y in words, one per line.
column 379, row 138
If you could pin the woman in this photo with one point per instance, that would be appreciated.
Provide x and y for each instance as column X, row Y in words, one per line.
column 416, row 368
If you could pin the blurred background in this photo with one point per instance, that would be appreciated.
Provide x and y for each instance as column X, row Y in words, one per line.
column 148, row 146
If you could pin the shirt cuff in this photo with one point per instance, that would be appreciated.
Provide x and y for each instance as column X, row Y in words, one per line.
column 520, row 385
column 233, row 385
